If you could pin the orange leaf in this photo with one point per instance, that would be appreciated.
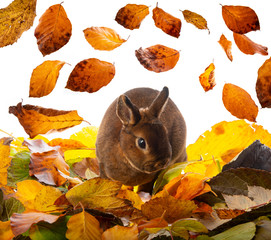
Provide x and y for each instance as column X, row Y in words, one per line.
column 224, row 213
column 131, row 196
column 132, row 15
column 90, row 75
column 240, row 19
column 166, row 22
column 4, row 159
column 54, row 30
column 239, row 103
column 37, row 120
column 207, row 79
column 5, row 231
column 196, row 19
column 226, row 45
column 44, row 77
column 120, row 233
column 103, row 38
column 67, row 144
column 263, row 84
column 247, row 46
column 154, row 223
column 157, row 58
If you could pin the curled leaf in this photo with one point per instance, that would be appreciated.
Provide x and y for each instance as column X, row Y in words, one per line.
column 132, row 15
column 195, row 19
column 90, row 75
column 226, row 45
column 239, row 103
column 207, row 79
column 157, row 58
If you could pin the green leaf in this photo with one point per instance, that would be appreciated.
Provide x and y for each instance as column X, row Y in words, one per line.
column 191, row 225
column 10, row 206
column 203, row 237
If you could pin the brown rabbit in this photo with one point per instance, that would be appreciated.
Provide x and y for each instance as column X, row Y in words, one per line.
column 142, row 132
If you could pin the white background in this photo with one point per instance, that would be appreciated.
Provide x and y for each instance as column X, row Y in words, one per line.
column 197, row 48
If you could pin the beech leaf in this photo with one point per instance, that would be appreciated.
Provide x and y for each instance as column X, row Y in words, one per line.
column 157, row 58
column 54, row 30
column 207, row 79
column 195, row 19
column 37, row 120
column 90, row 75
column 226, row 45
column 15, row 19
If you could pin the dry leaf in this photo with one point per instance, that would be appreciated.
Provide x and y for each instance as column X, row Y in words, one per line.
column 224, row 213
column 154, row 223
column 247, row 46
column 132, row 15
column 226, row 45
column 157, row 58
column 239, row 103
column 240, row 19
column 196, row 19
column 263, row 84
column 44, row 77
column 5, row 231
column 67, row 144
column 131, row 196
column 15, row 19
column 5, row 159
column 90, row 75
column 54, row 30
column 37, row 120
column 121, row 233
column 103, row 38
column 168, row 23
column 90, row 164
column 207, row 79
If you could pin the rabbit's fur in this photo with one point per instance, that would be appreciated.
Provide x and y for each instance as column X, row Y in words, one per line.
column 142, row 132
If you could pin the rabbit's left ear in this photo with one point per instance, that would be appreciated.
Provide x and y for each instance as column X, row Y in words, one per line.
column 127, row 112
column 158, row 104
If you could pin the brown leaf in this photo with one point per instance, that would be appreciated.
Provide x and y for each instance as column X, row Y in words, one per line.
column 196, row 19
column 90, row 75
column 132, row 15
column 15, row 19
column 44, row 77
column 224, row 213
column 103, row 38
column 37, row 120
column 157, row 58
column 226, row 45
column 207, row 79
column 247, row 46
column 87, row 163
column 240, row 19
column 166, row 22
column 239, row 103
column 263, row 84
column 54, row 30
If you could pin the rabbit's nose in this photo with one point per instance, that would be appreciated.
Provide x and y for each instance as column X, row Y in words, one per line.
column 161, row 163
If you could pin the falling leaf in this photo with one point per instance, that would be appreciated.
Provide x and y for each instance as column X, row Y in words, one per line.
column 120, row 233
column 37, row 120
column 240, row 19
column 157, row 58
column 239, row 103
column 15, row 19
column 90, row 75
column 263, row 84
column 132, row 15
column 103, row 38
column 247, row 46
column 166, row 22
column 207, row 79
column 83, row 226
column 4, row 159
column 5, row 231
column 226, row 45
column 196, row 19
column 44, row 77
column 54, row 30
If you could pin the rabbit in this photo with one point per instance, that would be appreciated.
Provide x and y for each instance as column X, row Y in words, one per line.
column 141, row 133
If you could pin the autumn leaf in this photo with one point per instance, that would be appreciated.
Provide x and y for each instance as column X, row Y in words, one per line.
column 207, row 79
column 132, row 15
column 240, row 19
column 153, row 223
column 5, row 231
column 4, row 159
column 226, row 45
column 157, row 58
column 54, row 30
column 44, row 77
column 239, row 103
column 195, row 19
column 224, row 213
column 37, row 120
column 263, row 84
column 83, row 226
column 67, row 144
column 166, row 22
column 90, row 75
column 247, row 46
column 131, row 196
column 81, row 168
column 15, row 19
column 103, row 38
column 120, row 233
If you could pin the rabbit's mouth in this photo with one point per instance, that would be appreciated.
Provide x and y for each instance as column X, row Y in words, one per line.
column 155, row 166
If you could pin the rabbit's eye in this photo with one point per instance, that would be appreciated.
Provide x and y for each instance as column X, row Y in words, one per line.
column 141, row 143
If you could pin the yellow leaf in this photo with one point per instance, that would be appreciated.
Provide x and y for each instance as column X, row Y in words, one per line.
column 5, row 231
column 196, row 19
column 103, row 38
column 4, row 159
column 16, row 18
column 131, row 196
column 83, row 226
column 207, row 79
column 121, row 233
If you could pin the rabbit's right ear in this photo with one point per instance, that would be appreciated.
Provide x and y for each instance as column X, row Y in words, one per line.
column 127, row 112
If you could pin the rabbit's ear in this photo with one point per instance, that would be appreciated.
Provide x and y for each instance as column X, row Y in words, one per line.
column 127, row 112
column 158, row 104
